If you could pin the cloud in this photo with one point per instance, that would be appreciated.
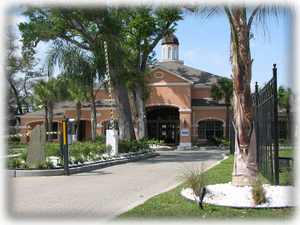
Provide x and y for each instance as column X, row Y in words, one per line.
column 14, row 19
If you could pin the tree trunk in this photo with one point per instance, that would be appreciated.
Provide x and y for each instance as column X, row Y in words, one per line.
column 77, row 118
column 227, row 122
column 245, row 167
column 46, row 118
column 93, row 116
column 126, row 130
column 50, row 117
column 140, row 118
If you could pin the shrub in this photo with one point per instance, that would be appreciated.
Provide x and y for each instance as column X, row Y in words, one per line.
column 100, row 139
column 195, row 178
column 258, row 192
column 59, row 162
column 23, row 155
column 39, row 165
column 78, row 159
column 15, row 162
column 52, row 149
column 284, row 142
column 25, row 165
column 49, row 164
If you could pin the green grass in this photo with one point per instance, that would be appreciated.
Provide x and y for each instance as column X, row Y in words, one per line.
column 286, row 153
column 172, row 206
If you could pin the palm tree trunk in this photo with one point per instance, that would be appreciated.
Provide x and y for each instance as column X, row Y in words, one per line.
column 77, row 118
column 50, row 116
column 46, row 118
column 245, row 167
column 227, row 122
column 93, row 116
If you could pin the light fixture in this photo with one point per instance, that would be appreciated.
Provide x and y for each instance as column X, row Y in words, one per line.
column 201, row 196
column 184, row 123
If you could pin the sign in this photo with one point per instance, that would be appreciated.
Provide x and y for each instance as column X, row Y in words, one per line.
column 185, row 132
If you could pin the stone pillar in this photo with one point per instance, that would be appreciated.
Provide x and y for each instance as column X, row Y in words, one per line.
column 37, row 145
column 185, row 129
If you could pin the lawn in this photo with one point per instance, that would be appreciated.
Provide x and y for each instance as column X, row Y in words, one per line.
column 172, row 206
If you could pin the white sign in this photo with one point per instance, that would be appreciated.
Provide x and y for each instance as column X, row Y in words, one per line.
column 185, row 132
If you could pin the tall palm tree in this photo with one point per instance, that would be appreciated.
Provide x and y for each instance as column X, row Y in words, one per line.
column 223, row 89
column 77, row 66
column 45, row 93
column 241, row 17
column 284, row 101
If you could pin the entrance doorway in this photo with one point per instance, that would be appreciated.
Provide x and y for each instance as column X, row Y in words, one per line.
column 163, row 124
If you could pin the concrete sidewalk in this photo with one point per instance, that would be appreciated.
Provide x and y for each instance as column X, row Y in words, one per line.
column 102, row 194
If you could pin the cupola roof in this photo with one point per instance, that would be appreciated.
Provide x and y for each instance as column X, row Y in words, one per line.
column 170, row 40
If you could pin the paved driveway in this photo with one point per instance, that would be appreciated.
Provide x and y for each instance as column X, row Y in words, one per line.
column 101, row 194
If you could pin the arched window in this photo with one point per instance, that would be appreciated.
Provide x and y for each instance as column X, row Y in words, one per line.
column 208, row 128
column 169, row 52
column 164, row 53
column 175, row 52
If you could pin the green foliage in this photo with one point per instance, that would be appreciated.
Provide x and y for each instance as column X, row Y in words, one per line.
column 25, row 165
column 23, row 155
column 52, row 149
column 136, row 145
column 285, row 97
column 48, row 164
column 78, row 159
column 195, row 178
column 258, row 192
column 284, row 142
column 39, row 165
column 59, row 162
column 14, row 162
column 214, row 141
column 17, row 144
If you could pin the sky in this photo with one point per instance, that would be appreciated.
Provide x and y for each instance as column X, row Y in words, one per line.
column 204, row 45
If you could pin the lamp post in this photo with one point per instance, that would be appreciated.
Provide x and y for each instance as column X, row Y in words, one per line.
column 201, row 196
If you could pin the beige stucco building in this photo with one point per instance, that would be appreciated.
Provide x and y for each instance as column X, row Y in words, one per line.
column 179, row 111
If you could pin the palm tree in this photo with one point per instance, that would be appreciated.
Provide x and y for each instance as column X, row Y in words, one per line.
column 241, row 18
column 45, row 93
column 223, row 89
column 79, row 94
column 284, row 102
column 77, row 66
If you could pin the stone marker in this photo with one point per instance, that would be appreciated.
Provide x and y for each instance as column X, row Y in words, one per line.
column 37, row 145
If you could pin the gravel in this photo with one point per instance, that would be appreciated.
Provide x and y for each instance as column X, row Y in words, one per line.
column 241, row 197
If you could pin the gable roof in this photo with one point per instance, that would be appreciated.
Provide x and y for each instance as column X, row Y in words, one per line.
column 198, row 77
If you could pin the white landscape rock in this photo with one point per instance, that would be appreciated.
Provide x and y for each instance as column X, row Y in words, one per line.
column 232, row 196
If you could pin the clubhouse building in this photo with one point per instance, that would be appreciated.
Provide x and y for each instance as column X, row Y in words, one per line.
column 180, row 109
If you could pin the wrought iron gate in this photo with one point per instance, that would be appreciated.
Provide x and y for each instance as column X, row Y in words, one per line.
column 266, row 127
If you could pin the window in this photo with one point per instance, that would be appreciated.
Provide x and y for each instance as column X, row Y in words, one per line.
column 164, row 53
column 282, row 127
column 210, row 128
column 169, row 52
column 175, row 52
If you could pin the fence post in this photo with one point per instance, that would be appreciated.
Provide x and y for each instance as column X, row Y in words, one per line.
column 256, row 124
column 275, row 127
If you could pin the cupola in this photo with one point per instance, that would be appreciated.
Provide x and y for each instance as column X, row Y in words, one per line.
column 170, row 49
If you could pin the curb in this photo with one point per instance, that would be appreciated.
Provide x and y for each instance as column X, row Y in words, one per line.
column 75, row 169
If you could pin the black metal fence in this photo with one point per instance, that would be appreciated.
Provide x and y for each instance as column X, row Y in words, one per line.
column 266, row 127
